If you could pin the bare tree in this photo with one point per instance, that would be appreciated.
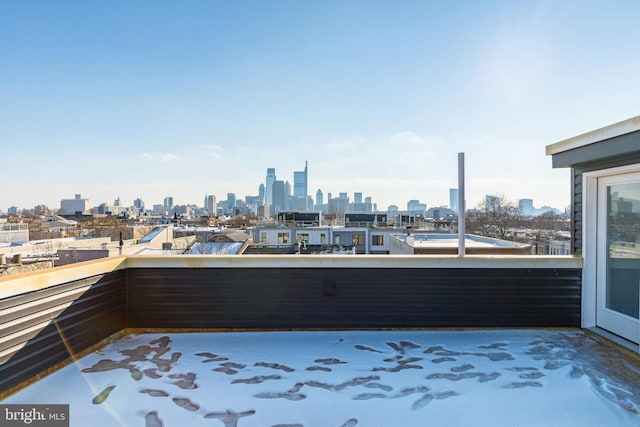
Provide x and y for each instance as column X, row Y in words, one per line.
column 551, row 221
column 494, row 217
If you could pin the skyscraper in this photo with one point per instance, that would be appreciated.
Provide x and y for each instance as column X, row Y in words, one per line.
column 268, row 188
column 453, row 199
column 139, row 205
column 168, row 204
column 212, row 205
column 319, row 197
column 279, row 197
column 231, row 203
column 300, row 183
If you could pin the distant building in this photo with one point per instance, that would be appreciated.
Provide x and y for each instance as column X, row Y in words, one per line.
column 74, row 206
column 356, row 219
column 14, row 232
column 159, row 209
column 526, row 207
column 279, row 197
column 299, row 219
column 338, row 206
column 417, row 208
column 168, row 204
column 231, row 204
column 296, row 204
column 300, row 184
column 268, row 188
column 139, row 205
column 103, row 209
column 392, row 210
column 41, row 210
column 441, row 212
column 252, row 203
column 212, row 205
column 300, row 237
column 453, row 199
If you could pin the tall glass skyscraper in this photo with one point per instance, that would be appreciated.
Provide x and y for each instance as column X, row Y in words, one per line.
column 300, row 183
column 268, row 189
column 453, row 199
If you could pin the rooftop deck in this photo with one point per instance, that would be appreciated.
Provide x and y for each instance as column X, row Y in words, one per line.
column 345, row 375
column 349, row 378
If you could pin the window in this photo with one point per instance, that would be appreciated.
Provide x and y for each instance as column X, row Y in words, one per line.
column 283, row 237
column 263, row 238
column 357, row 239
column 377, row 240
column 337, row 239
column 323, row 239
column 303, row 238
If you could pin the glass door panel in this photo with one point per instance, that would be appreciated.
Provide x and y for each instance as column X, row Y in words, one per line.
column 619, row 255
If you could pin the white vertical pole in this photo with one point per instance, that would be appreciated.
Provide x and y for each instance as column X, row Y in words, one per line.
column 461, row 207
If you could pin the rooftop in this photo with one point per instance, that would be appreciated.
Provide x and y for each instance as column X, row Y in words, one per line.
column 313, row 341
column 349, row 378
column 451, row 240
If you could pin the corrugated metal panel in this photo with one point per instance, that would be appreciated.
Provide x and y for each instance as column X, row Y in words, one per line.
column 352, row 298
column 42, row 328
column 576, row 197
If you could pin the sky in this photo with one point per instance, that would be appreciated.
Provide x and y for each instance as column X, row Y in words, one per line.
column 145, row 99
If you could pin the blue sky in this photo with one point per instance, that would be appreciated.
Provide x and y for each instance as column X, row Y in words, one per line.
column 155, row 98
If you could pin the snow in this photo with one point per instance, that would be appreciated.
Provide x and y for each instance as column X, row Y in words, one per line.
column 344, row 378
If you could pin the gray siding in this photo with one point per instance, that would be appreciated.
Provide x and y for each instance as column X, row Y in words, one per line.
column 268, row 298
column 576, row 213
column 629, row 159
column 67, row 318
column 621, row 150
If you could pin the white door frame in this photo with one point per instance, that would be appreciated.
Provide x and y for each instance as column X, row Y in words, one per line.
column 589, row 239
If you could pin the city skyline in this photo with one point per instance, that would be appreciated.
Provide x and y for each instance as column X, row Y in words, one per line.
column 149, row 99
column 169, row 201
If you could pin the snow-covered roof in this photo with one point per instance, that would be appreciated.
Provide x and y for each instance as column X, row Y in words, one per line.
column 348, row 378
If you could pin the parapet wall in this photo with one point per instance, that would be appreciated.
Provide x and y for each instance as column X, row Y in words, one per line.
column 46, row 318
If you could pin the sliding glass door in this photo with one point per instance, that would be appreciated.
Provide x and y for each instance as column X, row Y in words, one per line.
column 618, row 255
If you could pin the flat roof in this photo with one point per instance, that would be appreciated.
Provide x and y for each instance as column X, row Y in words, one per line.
column 348, row 378
column 451, row 240
column 607, row 132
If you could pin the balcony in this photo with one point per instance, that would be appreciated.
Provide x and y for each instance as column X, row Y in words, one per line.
column 381, row 340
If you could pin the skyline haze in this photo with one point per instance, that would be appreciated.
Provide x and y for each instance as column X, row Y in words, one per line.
column 149, row 99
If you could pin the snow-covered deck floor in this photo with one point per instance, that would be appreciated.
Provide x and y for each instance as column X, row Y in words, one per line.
column 348, row 378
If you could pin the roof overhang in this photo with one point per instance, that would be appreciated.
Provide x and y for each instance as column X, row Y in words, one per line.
column 607, row 132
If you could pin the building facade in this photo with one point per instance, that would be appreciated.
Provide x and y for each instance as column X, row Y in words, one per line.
column 605, row 199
